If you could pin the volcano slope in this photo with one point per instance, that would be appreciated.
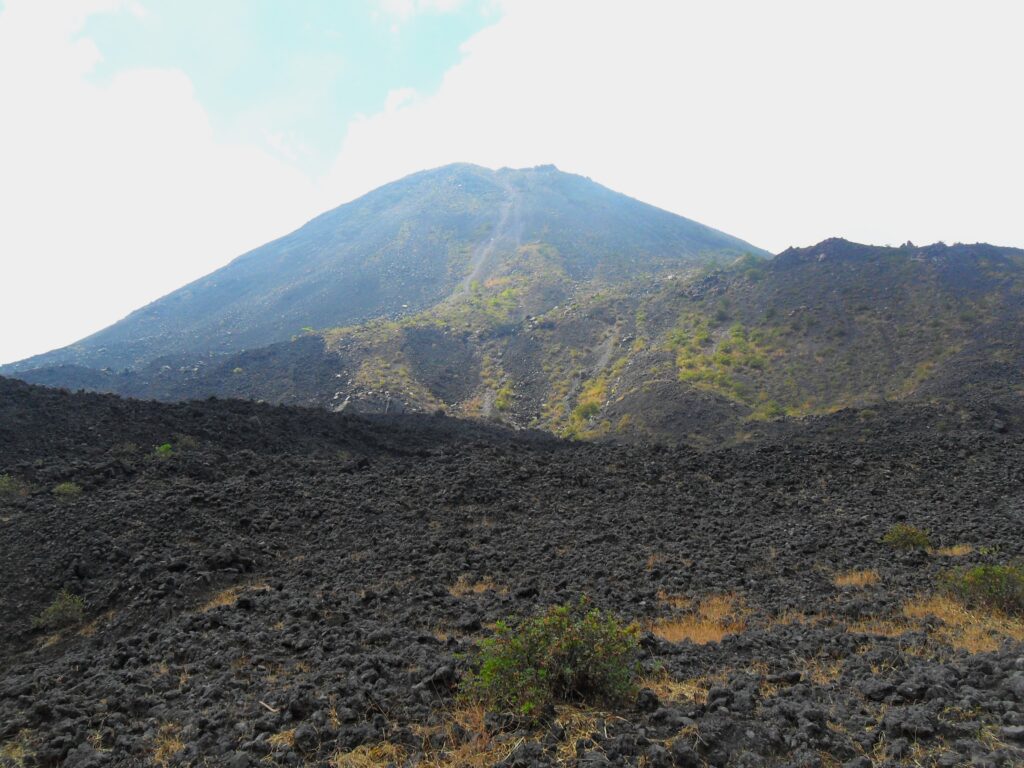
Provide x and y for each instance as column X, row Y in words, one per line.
column 295, row 587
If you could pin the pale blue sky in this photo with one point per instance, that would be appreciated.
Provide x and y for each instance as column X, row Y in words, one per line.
column 288, row 75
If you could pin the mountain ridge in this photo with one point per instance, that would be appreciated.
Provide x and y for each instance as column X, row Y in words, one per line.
column 402, row 247
column 708, row 354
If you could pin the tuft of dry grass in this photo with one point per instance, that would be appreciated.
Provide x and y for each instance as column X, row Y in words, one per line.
column 225, row 597
column 957, row 550
column 230, row 596
column 48, row 641
column 167, row 744
column 93, row 626
column 465, row 586
column 972, row 631
column 856, row 579
column 694, row 689
column 823, row 671
column 479, row 750
column 370, row 756
column 579, row 724
column 714, row 618
column 283, row 739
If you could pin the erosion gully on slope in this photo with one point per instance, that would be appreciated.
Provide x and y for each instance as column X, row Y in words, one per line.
column 294, row 587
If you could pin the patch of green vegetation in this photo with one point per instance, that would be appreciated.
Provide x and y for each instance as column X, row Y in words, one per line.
column 767, row 410
column 67, row 490
column 164, row 451
column 720, row 368
column 67, row 610
column 588, row 405
column 570, row 654
column 991, row 587
column 905, row 536
column 17, row 752
column 11, row 486
column 503, row 398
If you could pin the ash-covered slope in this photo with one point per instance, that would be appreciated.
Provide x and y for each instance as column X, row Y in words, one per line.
column 294, row 586
column 401, row 248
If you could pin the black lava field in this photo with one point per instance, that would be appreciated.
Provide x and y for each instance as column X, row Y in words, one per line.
column 284, row 586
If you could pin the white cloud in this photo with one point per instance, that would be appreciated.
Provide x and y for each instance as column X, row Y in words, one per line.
column 113, row 195
column 783, row 122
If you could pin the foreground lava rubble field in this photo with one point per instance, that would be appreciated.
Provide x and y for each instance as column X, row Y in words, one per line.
column 295, row 587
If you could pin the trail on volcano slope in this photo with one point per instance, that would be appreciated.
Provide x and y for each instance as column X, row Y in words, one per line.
column 507, row 228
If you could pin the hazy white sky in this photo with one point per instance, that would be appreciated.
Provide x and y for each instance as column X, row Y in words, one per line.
column 780, row 122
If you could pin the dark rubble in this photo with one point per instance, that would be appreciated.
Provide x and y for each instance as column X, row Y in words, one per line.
column 284, row 587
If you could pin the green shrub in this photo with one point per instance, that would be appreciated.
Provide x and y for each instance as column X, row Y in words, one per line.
column 67, row 610
column 904, row 536
column 12, row 486
column 571, row 653
column 993, row 587
column 163, row 451
column 586, row 411
column 503, row 399
column 67, row 490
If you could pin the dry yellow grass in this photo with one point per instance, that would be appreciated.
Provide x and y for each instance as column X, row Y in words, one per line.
column 282, row 739
column 957, row 550
column 578, row 724
column 93, row 626
column 823, row 671
column 464, row 586
column 972, row 631
column 230, row 596
column 715, row 617
column 370, row 756
column 48, row 641
column 466, row 743
column 227, row 596
column 694, row 689
column 856, row 579
column 167, row 744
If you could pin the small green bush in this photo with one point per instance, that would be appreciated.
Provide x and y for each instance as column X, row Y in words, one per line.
column 992, row 587
column 67, row 490
column 571, row 653
column 11, row 486
column 904, row 536
column 163, row 451
column 67, row 610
